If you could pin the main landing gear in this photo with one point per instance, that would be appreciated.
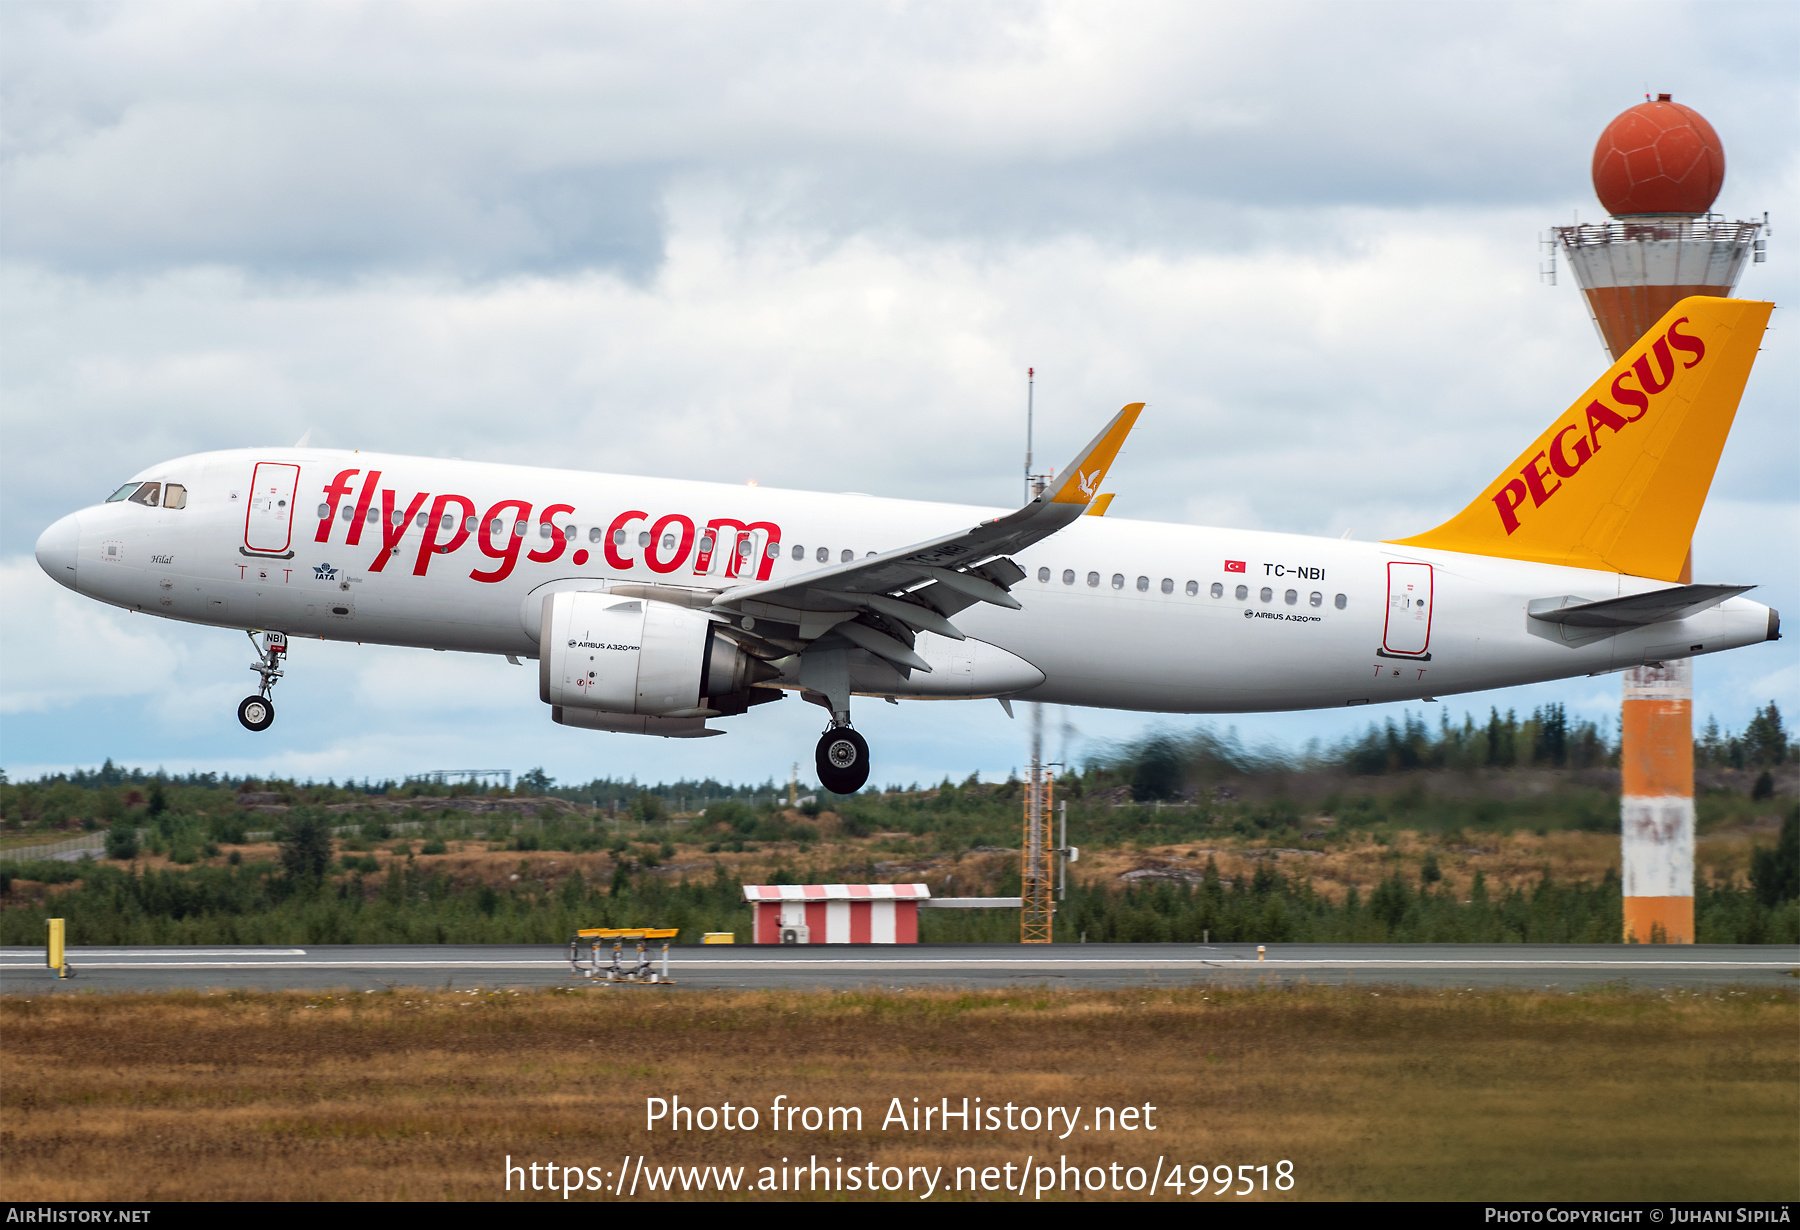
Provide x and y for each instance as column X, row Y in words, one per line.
column 258, row 712
column 842, row 760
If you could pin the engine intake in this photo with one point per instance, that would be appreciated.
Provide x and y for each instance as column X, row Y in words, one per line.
column 623, row 655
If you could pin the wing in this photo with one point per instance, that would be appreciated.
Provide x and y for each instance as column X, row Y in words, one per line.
column 880, row 602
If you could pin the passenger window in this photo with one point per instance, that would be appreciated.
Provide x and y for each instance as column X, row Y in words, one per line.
column 448, row 523
column 773, row 551
column 396, row 517
column 1340, row 602
column 1242, row 592
column 845, row 556
column 518, row 529
column 175, row 496
column 568, row 533
column 373, row 516
column 594, row 535
column 1291, row 597
column 1118, row 580
column 469, row 527
column 1068, row 576
column 643, row 537
column 1143, row 585
column 349, row 513
column 823, row 555
column 421, row 519
column 1043, row 574
column 1193, row 589
column 121, row 493
column 324, row 511
column 1218, row 590
column 1317, row 599
column 1168, row 586
column 147, row 495
column 1093, row 579
column 799, row 552
column 618, row 537
column 1267, row 594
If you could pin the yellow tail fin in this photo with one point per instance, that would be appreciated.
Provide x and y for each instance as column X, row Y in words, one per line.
column 1617, row 482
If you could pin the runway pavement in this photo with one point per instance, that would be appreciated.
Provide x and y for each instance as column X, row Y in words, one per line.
column 696, row 967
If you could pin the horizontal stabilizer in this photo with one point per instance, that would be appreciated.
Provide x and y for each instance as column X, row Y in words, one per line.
column 1634, row 611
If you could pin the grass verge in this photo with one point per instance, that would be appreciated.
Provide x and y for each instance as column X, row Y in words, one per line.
column 1371, row 1094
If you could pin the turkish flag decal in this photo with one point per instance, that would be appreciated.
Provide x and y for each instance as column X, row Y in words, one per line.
column 1234, row 565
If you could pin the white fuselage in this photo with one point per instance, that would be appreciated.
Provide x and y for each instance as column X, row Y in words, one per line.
column 1117, row 613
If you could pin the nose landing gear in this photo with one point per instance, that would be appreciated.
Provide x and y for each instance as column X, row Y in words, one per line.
column 258, row 712
column 842, row 760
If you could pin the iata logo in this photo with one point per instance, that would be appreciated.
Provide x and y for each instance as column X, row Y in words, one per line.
column 1577, row 443
column 324, row 572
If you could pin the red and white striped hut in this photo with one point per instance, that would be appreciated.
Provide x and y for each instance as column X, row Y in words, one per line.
column 836, row 913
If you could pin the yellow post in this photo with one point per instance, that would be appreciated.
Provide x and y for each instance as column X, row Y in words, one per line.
column 53, row 950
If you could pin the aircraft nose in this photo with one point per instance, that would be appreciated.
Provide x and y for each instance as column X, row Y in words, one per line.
column 58, row 548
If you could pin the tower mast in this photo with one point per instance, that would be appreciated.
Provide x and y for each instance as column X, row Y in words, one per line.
column 1657, row 169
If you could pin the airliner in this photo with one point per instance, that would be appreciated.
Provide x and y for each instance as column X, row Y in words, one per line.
column 660, row 606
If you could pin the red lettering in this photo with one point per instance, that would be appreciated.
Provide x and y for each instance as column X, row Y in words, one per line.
column 1629, row 397
column 1599, row 415
column 1534, row 479
column 391, row 534
column 654, row 560
column 484, row 538
column 338, row 487
column 612, row 534
column 1560, row 461
column 1507, row 500
column 715, row 533
column 1665, row 365
column 362, row 508
column 1683, row 342
column 428, row 545
column 557, row 541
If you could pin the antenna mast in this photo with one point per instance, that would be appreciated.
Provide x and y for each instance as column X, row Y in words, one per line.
column 1034, row 483
column 1037, row 851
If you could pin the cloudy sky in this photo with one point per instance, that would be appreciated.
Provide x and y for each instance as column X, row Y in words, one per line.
column 816, row 245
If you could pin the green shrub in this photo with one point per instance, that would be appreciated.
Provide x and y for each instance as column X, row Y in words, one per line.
column 122, row 840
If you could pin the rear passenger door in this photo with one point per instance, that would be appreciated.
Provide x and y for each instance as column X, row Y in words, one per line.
column 1408, row 629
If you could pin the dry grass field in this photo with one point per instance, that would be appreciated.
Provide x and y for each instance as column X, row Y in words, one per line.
column 421, row 1095
column 1507, row 860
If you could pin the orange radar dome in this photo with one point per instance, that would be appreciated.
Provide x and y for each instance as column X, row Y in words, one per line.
column 1658, row 158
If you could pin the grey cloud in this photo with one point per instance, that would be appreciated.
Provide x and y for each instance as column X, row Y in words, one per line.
column 480, row 141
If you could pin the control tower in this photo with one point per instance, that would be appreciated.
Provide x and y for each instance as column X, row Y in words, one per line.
column 1658, row 168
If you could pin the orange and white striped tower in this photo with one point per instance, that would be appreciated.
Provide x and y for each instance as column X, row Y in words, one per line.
column 1657, row 169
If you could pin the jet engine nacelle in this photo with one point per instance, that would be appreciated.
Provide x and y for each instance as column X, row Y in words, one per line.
column 624, row 655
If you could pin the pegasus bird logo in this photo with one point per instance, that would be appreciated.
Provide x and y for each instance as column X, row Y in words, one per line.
column 1087, row 482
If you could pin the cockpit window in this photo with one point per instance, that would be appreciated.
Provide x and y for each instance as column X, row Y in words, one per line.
column 122, row 492
column 175, row 496
column 147, row 495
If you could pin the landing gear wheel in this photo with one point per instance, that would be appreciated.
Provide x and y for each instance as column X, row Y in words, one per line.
column 842, row 761
column 258, row 713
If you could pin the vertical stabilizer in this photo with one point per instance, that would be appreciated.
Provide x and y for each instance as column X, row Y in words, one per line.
column 1616, row 483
